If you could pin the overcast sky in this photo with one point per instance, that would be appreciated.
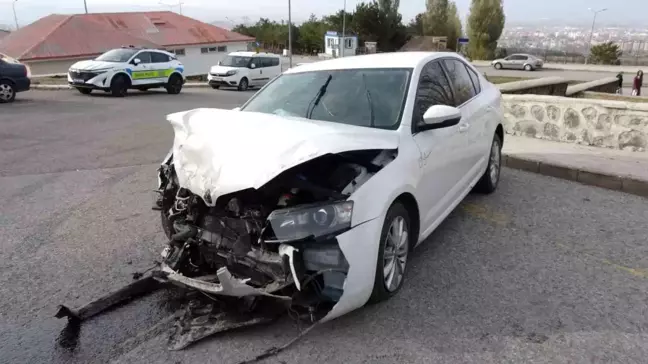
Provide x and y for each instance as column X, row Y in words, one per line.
column 558, row 11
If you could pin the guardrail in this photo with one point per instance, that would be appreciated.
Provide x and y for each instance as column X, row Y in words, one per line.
column 606, row 85
column 554, row 86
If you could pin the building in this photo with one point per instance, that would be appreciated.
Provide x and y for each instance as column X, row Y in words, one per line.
column 332, row 44
column 53, row 43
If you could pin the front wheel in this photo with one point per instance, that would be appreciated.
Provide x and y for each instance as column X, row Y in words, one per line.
column 243, row 85
column 395, row 244
column 215, row 87
column 85, row 91
column 489, row 181
column 498, row 66
column 119, row 86
column 528, row 67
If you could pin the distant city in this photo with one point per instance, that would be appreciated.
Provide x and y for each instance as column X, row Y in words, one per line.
column 570, row 39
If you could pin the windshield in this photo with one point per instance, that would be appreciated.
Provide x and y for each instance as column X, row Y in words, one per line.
column 117, row 55
column 363, row 97
column 236, row 61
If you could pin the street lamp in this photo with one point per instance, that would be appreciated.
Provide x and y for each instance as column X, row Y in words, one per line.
column 85, row 5
column 343, row 30
column 14, row 11
column 289, row 36
column 589, row 43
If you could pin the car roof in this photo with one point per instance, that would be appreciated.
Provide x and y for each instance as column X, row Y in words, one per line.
column 252, row 54
column 377, row 60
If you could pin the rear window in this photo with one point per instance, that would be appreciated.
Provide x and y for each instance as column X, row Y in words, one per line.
column 8, row 59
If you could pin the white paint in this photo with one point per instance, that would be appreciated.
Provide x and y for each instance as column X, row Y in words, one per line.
column 224, row 151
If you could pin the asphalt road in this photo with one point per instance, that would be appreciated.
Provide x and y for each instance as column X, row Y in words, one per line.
column 543, row 271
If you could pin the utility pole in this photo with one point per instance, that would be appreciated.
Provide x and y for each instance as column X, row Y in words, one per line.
column 15, row 16
column 85, row 5
column 289, row 35
column 343, row 40
column 589, row 43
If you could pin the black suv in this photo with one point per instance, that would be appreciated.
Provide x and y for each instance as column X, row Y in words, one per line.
column 14, row 77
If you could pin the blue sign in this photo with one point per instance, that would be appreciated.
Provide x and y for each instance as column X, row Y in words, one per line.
column 462, row 40
column 331, row 32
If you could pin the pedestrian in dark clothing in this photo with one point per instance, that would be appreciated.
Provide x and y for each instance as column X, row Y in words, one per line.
column 619, row 83
column 637, row 82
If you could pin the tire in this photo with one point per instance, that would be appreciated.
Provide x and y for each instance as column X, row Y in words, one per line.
column 7, row 92
column 528, row 67
column 174, row 86
column 215, row 87
column 488, row 182
column 85, row 91
column 382, row 289
column 244, row 84
column 119, row 86
column 498, row 66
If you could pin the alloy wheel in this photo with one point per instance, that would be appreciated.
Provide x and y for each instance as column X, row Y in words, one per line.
column 395, row 254
column 495, row 161
column 6, row 92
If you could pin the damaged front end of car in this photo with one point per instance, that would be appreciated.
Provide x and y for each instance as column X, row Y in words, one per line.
column 276, row 241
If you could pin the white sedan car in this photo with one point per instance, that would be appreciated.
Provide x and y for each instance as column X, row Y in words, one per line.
column 317, row 189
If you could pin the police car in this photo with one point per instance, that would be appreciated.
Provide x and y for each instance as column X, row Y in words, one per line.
column 125, row 68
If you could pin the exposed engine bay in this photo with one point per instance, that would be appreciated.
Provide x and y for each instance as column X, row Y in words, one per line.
column 277, row 241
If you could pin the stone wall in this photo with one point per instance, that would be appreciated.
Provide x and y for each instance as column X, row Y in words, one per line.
column 601, row 123
column 556, row 86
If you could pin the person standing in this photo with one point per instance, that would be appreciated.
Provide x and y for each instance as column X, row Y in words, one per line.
column 619, row 89
column 637, row 82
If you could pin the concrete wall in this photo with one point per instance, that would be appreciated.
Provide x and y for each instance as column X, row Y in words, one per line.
column 601, row 123
column 605, row 85
column 556, row 86
column 53, row 67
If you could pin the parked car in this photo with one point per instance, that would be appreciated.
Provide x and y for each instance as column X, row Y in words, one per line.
column 317, row 189
column 14, row 78
column 125, row 68
column 525, row 62
column 245, row 69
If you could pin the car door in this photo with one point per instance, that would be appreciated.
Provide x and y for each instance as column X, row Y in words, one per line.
column 439, row 156
column 161, row 65
column 256, row 73
column 474, row 120
column 142, row 72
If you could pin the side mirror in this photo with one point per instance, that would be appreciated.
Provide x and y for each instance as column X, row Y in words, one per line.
column 440, row 116
column 252, row 65
column 137, row 61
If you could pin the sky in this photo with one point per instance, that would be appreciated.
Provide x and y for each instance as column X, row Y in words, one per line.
column 567, row 12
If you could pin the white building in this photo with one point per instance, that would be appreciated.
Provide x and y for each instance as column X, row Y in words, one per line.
column 332, row 42
column 52, row 44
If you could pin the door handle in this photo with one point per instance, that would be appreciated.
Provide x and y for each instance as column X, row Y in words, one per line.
column 261, row 71
column 464, row 127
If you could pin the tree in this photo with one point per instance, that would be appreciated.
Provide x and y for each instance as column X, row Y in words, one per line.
column 311, row 35
column 415, row 26
column 454, row 29
column 436, row 18
column 605, row 53
column 485, row 26
column 372, row 23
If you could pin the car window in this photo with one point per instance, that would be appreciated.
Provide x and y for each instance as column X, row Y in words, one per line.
column 520, row 58
column 157, row 57
column 144, row 57
column 236, row 61
column 363, row 97
column 266, row 62
column 275, row 62
column 433, row 89
column 475, row 79
column 257, row 62
column 464, row 89
column 117, row 55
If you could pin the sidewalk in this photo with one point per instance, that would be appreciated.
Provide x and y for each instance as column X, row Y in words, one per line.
column 608, row 168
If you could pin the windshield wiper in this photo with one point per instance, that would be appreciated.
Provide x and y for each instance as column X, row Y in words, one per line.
column 318, row 97
column 371, row 107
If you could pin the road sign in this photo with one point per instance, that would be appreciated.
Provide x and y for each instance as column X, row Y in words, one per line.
column 462, row 40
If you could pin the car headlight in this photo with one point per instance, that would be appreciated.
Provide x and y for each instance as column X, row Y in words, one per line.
column 310, row 221
column 231, row 73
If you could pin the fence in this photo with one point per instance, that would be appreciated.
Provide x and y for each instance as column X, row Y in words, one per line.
column 551, row 56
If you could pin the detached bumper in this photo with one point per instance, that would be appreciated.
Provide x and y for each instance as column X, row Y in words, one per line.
column 227, row 285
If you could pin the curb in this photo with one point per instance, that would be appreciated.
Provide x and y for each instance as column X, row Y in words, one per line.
column 612, row 182
column 67, row 87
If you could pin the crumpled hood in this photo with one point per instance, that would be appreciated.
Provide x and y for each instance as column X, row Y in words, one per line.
column 91, row 65
column 216, row 152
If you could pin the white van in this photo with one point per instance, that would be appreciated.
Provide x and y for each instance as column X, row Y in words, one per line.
column 245, row 69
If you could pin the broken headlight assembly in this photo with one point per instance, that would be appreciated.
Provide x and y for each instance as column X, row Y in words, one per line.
column 307, row 222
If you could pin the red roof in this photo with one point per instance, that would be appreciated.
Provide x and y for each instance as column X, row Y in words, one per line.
column 63, row 36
